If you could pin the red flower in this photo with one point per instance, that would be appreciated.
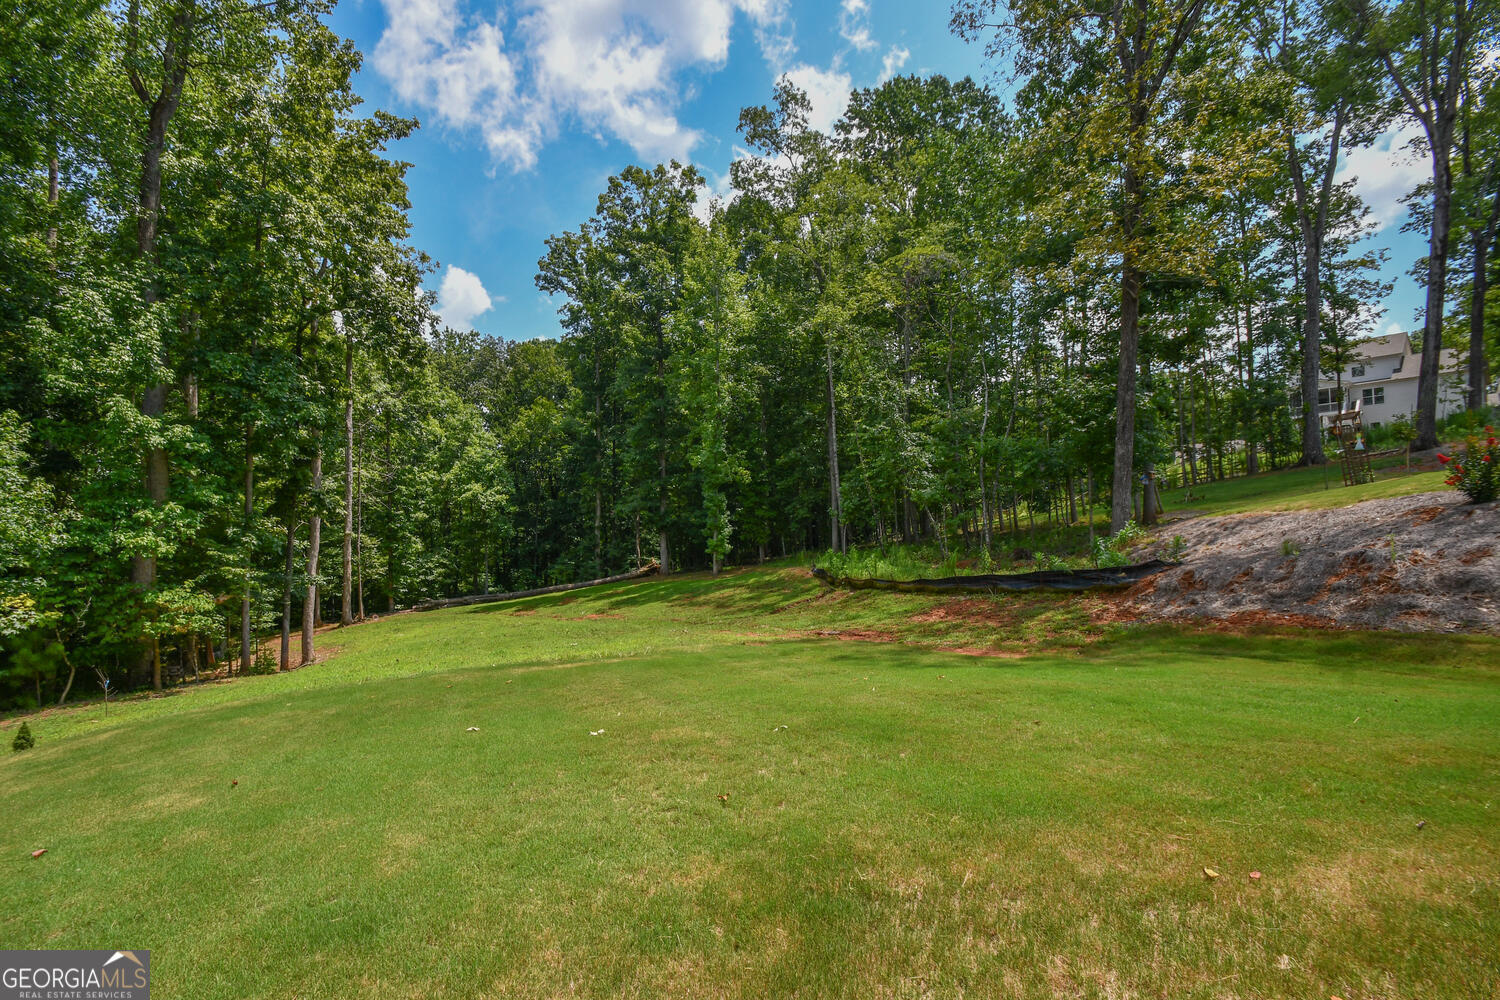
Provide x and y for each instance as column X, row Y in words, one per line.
column 1444, row 458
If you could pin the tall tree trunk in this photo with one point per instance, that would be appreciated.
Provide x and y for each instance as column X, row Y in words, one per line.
column 346, row 613
column 285, row 662
column 1252, row 456
column 664, row 548
column 1312, row 218
column 359, row 527
column 1193, row 427
column 661, row 448
column 1132, row 197
column 314, row 543
column 835, row 506
column 1437, row 280
column 160, row 109
column 1130, row 305
column 598, row 468
column 1478, row 369
column 245, row 654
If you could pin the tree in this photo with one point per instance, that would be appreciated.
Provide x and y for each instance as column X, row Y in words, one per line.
column 1124, row 62
column 1429, row 51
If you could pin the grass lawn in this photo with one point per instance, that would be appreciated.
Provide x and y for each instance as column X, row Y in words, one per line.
column 768, row 812
column 1301, row 489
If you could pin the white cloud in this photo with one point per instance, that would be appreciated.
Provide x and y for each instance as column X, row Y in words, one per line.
column 611, row 66
column 435, row 58
column 1385, row 171
column 854, row 24
column 717, row 190
column 893, row 61
column 461, row 297
column 826, row 89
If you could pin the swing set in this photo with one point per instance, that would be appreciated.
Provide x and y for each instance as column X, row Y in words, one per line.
column 1354, row 454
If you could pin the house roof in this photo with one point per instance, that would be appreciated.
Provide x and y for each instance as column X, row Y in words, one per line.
column 1450, row 361
column 1382, row 347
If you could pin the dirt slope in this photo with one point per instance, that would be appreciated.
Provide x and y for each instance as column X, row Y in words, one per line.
column 1426, row 562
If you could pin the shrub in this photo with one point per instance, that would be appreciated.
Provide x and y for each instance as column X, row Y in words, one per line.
column 1110, row 551
column 1474, row 474
column 264, row 662
column 1049, row 562
column 24, row 740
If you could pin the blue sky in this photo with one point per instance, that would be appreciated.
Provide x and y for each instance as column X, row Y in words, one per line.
column 528, row 107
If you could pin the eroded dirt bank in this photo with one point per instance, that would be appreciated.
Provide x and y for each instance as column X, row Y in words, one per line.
column 1426, row 562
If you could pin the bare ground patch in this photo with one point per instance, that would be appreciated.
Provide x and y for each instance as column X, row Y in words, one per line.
column 970, row 610
column 1422, row 563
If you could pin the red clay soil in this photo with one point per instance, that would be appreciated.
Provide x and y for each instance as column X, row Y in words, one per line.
column 853, row 635
column 982, row 611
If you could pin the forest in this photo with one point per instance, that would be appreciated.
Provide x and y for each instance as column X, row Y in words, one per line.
column 229, row 412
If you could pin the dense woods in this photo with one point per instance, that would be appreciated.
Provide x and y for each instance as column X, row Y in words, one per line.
column 228, row 413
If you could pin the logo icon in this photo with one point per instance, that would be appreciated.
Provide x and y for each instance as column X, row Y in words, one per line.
column 75, row 975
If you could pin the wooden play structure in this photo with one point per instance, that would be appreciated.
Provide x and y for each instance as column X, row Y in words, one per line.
column 1354, row 453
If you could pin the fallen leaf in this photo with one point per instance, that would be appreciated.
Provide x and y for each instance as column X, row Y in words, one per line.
column 472, row 729
column 1255, row 876
column 37, row 854
column 724, row 797
column 1210, row 874
column 233, row 783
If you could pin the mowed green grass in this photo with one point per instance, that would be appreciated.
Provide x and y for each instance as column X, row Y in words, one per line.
column 1315, row 488
column 769, row 813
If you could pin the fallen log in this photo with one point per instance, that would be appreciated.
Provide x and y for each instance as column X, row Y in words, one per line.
column 455, row 602
column 1061, row 579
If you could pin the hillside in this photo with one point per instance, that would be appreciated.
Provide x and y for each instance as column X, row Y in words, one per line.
column 1420, row 563
column 752, row 786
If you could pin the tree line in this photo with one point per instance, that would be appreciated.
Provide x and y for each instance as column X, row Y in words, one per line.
column 228, row 412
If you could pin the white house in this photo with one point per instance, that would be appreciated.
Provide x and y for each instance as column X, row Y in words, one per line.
column 1381, row 378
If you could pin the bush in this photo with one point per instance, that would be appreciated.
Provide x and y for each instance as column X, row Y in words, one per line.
column 1110, row 551
column 1474, row 474
column 24, row 740
column 264, row 662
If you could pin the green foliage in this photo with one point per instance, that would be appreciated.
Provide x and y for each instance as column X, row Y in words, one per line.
column 1114, row 550
column 23, row 739
column 1474, row 474
column 896, row 563
column 30, row 530
column 1175, row 548
column 900, row 336
column 546, row 820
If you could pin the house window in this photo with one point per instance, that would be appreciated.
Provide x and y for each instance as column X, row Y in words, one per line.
column 1375, row 395
column 1328, row 401
column 1356, row 371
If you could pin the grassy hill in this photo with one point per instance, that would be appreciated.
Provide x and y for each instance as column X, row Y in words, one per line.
column 694, row 787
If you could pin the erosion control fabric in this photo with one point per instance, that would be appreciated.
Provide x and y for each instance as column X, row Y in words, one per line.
column 1062, row 579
